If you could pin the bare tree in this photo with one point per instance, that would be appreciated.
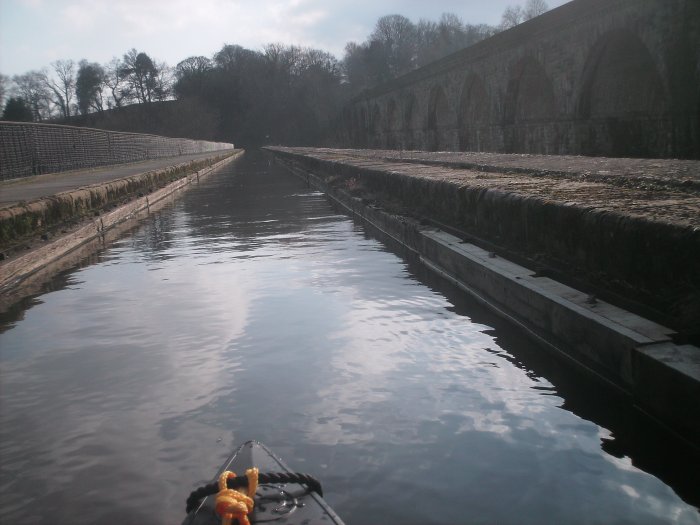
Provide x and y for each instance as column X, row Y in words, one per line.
column 63, row 86
column 232, row 56
column 141, row 75
column 315, row 59
column 397, row 46
column 511, row 17
column 447, row 36
column 164, row 81
column 195, row 65
column 190, row 75
column 31, row 87
column 515, row 14
column 354, row 66
column 115, row 83
column 534, row 8
column 396, row 35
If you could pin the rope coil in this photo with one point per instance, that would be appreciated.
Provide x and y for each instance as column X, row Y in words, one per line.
column 232, row 503
column 263, row 479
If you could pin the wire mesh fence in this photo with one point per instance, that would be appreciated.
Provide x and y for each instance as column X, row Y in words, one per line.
column 28, row 149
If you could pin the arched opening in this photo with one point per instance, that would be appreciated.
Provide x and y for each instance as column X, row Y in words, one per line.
column 437, row 119
column 530, row 110
column 474, row 115
column 623, row 99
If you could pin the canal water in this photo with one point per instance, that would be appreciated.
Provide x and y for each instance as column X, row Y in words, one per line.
column 250, row 309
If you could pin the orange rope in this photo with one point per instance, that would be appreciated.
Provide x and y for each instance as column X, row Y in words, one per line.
column 231, row 503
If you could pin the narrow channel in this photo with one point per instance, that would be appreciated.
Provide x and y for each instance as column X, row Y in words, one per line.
column 249, row 308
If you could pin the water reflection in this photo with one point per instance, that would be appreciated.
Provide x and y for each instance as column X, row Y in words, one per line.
column 250, row 309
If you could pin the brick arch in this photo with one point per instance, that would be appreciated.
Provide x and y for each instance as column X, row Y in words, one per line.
column 474, row 115
column 623, row 100
column 529, row 109
column 438, row 115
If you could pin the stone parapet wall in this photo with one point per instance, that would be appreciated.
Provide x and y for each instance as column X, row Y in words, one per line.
column 33, row 149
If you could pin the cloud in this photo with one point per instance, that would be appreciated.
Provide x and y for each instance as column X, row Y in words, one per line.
column 35, row 32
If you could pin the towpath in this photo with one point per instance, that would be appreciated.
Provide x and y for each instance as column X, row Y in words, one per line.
column 31, row 188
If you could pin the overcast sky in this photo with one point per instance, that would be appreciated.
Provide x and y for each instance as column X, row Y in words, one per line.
column 34, row 33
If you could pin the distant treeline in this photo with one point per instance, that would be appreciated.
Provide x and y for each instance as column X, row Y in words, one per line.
column 281, row 94
column 397, row 46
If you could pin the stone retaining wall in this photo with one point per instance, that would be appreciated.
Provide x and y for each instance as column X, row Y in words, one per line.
column 33, row 149
column 42, row 216
column 644, row 255
column 73, row 218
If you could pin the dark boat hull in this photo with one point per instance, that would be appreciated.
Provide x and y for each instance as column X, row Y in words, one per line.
column 288, row 503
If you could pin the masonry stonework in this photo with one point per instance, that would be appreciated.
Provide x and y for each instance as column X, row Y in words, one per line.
column 592, row 77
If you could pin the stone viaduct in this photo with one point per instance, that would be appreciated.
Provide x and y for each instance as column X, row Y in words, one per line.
column 592, row 77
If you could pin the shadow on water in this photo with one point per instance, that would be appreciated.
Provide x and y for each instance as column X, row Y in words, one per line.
column 648, row 444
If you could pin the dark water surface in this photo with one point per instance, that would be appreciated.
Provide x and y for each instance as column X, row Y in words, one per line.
column 250, row 308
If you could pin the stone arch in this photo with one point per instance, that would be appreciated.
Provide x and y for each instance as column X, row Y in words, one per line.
column 529, row 109
column 623, row 99
column 474, row 115
column 410, row 121
column 438, row 114
column 391, row 124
